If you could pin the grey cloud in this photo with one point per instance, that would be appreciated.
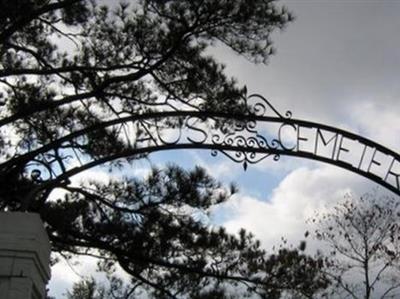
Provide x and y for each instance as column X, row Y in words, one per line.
column 336, row 55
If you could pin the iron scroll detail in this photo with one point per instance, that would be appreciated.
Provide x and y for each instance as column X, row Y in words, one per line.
column 245, row 134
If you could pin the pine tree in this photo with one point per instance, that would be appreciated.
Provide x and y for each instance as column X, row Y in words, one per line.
column 75, row 79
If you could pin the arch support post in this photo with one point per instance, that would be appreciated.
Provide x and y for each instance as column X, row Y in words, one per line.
column 24, row 256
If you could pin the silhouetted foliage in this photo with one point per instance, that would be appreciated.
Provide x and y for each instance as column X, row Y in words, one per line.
column 150, row 228
column 87, row 289
column 74, row 76
column 363, row 235
column 288, row 274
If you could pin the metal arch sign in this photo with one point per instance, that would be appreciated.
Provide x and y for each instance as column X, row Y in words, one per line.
column 249, row 137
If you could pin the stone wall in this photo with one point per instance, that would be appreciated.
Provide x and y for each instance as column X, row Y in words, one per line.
column 24, row 256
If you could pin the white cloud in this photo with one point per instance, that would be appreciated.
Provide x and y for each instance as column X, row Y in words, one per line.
column 379, row 122
column 220, row 167
column 65, row 274
column 303, row 192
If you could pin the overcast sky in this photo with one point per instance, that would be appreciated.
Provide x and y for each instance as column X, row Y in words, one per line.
column 339, row 64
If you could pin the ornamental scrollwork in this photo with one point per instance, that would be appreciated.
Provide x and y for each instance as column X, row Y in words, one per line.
column 241, row 134
column 246, row 135
column 260, row 106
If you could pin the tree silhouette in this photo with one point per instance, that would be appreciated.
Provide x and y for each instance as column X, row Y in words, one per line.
column 74, row 75
column 364, row 246
column 87, row 289
column 291, row 274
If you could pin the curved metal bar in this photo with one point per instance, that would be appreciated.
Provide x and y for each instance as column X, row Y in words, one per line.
column 276, row 149
column 242, row 142
column 198, row 114
column 166, row 147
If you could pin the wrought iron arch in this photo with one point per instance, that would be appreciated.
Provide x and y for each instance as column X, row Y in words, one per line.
column 261, row 131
